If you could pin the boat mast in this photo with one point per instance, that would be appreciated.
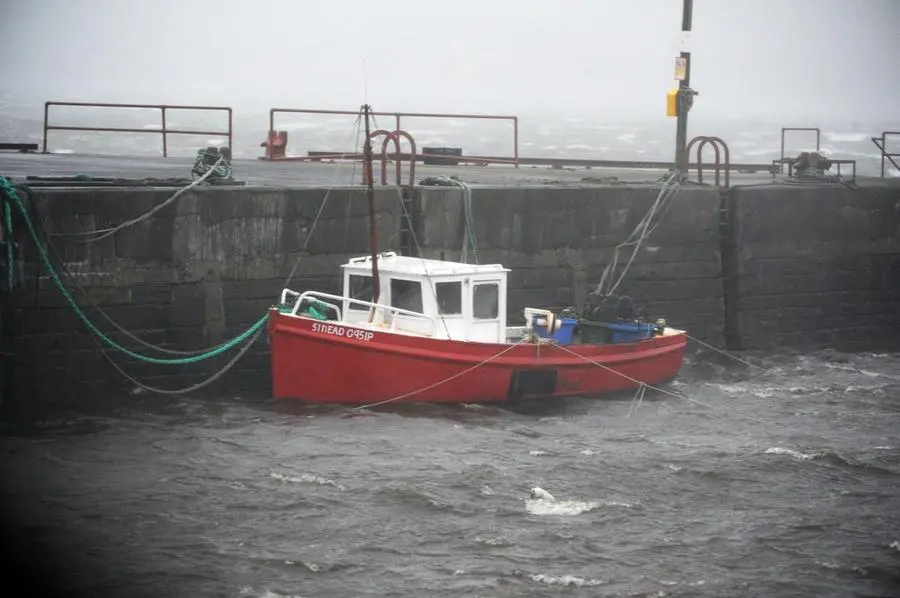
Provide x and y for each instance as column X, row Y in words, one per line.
column 370, row 188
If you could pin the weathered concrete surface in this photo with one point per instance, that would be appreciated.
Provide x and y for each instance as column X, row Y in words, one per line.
column 816, row 266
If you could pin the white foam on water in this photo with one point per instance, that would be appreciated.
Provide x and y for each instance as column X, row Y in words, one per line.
column 847, row 137
column 866, row 387
column 537, row 506
column 492, row 541
column 542, row 502
column 567, row 580
column 271, row 594
column 766, row 392
column 777, row 450
column 303, row 126
column 855, row 370
column 763, row 152
column 895, row 545
column 306, row 478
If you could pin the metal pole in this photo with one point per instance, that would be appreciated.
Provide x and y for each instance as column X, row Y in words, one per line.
column 46, row 123
column 165, row 141
column 230, row 131
column 516, row 140
column 370, row 191
column 684, row 91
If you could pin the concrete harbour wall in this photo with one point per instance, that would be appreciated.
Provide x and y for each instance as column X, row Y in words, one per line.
column 752, row 267
column 815, row 266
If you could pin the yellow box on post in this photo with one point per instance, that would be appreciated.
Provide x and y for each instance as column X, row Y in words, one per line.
column 672, row 102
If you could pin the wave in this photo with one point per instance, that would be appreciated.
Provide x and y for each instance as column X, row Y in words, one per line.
column 561, row 580
column 306, row 478
column 847, row 137
column 538, row 506
column 827, row 456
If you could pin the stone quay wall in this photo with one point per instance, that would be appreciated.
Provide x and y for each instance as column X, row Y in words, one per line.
column 747, row 268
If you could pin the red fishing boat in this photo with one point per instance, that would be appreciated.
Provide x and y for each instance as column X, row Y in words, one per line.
column 421, row 330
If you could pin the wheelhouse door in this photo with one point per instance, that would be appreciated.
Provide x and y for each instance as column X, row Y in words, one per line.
column 483, row 313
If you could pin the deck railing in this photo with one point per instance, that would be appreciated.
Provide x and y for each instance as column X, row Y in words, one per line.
column 163, row 130
column 318, row 296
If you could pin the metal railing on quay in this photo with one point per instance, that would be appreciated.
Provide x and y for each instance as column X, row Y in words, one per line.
column 881, row 144
column 163, row 130
column 399, row 116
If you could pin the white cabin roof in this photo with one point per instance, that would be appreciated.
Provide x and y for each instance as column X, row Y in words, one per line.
column 391, row 263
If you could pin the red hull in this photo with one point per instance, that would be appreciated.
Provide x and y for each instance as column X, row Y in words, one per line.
column 320, row 362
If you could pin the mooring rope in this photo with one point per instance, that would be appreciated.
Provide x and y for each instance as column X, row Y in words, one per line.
column 469, row 239
column 13, row 196
column 252, row 333
column 444, row 381
column 687, row 399
column 10, row 258
column 643, row 230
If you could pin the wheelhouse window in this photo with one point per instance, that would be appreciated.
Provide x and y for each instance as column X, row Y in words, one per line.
column 449, row 298
column 406, row 294
column 485, row 301
column 359, row 287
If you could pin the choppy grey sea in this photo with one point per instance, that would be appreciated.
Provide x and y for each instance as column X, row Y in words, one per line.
column 749, row 482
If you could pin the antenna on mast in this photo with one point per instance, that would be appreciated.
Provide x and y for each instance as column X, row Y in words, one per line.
column 365, row 79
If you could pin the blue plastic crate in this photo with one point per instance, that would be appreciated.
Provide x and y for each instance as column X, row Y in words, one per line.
column 630, row 332
column 564, row 335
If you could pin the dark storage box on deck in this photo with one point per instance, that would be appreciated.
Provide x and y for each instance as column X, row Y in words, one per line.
column 614, row 332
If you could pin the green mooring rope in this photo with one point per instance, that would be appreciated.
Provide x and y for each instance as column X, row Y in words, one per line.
column 12, row 196
column 10, row 262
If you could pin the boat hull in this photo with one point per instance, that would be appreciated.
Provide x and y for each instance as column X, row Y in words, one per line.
column 329, row 362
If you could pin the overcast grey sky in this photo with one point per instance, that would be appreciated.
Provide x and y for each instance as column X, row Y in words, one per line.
column 828, row 58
